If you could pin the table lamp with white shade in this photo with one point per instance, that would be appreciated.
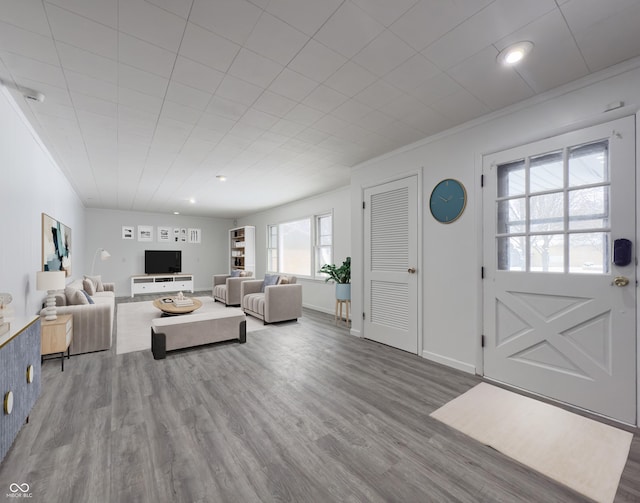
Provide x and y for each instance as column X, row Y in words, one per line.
column 50, row 281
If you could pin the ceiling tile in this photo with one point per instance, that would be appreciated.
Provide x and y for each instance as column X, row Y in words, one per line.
column 81, row 61
column 216, row 122
column 197, row 75
column 460, row 106
column 231, row 19
column 255, row 69
column 383, row 11
column 304, row 115
column 403, row 106
column 208, row 48
column 351, row 110
column 325, row 99
column 350, row 79
column 349, row 30
column 142, row 81
column 100, row 11
column 148, row 57
column 144, row 20
column 275, row 39
column 274, row 104
column 82, row 32
column 139, row 100
column 180, row 112
column 20, row 66
column 188, row 96
column 226, row 108
column 258, row 119
column 287, row 127
column 330, row 124
column 495, row 85
column 378, row 94
column 91, row 87
column 293, row 85
column 27, row 15
column 238, row 90
column 94, row 105
column 555, row 59
column 57, row 95
column 412, row 73
column 383, row 54
column 305, row 15
column 484, row 28
column 178, row 7
column 316, row 61
column 436, row 88
column 375, row 121
column 28, row 44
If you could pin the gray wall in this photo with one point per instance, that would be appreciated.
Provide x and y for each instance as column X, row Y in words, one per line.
column 104, row 230
column 30, row 184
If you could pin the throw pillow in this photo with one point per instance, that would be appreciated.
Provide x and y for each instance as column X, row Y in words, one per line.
column 75, row 297
column 269, row 280
column 97, row 282
column 236, row 273
column 284, row 280
column 88, row 286
column 89, row 299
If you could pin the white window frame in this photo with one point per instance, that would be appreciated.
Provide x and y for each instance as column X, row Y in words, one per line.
column 314, row 245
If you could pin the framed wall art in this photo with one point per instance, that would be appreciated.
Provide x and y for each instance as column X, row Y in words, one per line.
column 145, row 233
column 128, row 232
column 56, row 245
column 164, row 234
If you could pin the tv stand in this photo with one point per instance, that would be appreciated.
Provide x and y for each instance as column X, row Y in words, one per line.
column 160, row 283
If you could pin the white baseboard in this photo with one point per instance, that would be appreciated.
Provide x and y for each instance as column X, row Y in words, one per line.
column 355, row 332
column 318, row 308
column 449, row 362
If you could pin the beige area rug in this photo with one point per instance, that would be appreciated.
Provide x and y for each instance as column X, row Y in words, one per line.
column 583, row 454
column 134, row 323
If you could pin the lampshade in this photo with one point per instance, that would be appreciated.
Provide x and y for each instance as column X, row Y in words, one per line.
column 50, row 280
column 104, row 255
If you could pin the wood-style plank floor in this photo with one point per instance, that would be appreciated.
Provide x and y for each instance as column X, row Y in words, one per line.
column 303, row 412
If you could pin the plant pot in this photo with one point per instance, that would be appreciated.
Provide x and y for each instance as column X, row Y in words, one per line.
column 343, row 291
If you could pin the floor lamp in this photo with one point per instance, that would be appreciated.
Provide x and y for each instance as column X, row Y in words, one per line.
column 50, row 281
column 104, row 255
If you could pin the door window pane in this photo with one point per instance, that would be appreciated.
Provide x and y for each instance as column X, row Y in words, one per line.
column 511, row 253
column 511, row 179
column 512, row 216
column 589, row 208
column 589, row 253
column 547, row 212
column 546, row 253
column 589, row 164
column 546, row 172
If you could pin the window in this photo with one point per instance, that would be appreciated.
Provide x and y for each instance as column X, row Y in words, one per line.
column 553, row 211
column 300, row 247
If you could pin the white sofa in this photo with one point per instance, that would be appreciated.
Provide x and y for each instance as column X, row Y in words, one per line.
column 92, row 323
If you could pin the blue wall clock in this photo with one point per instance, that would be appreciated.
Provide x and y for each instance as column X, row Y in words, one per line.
column 448, row 201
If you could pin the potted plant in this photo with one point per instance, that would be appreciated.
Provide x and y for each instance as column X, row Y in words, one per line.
column 341, row 276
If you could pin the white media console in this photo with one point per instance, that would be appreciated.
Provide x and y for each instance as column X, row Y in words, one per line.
column 160, row 283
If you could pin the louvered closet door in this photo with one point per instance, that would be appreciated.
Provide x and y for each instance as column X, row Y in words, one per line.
column 391, row 253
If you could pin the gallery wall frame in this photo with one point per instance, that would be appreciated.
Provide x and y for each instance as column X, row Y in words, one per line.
column 56, row 245
column 128, row 232
column 145, row 233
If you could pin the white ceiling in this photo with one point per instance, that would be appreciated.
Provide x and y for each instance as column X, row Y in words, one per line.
column 148, row 100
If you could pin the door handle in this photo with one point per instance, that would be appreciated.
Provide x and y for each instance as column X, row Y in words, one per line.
column 620, row 281
column 411, row 270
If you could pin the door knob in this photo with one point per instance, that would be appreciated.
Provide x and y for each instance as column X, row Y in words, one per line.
column 620, row 281
column 411, row 270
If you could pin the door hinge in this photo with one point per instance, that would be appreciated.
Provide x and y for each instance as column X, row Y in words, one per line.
column 482, row 341
column 482, row 272
column 363, row 203
column 481, row 180
column 363, row 316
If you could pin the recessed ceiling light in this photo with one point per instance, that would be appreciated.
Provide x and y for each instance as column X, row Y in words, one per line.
column 221, row 178
column 192, row 200
column 176, row 212
column 514, row 53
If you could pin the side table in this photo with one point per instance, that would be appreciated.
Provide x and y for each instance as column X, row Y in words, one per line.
column 56, row 336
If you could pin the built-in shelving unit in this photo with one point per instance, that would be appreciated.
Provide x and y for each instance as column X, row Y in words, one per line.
column 161, row 283
column 242, row 249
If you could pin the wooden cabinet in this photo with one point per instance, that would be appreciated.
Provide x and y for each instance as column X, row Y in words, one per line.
column 242, row 249
column 56, row 335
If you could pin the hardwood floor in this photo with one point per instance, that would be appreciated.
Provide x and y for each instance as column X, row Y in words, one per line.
column 303, row 412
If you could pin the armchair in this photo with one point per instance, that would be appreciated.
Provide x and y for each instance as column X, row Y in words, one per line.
column 226, row 289
column 279, row 302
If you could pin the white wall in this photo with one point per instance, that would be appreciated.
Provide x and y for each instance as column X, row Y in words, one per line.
column 104, row 230
column 452, row 253
column 316, row 294
column 30, row 184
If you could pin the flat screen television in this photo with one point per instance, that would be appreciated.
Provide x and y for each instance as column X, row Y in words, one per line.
column 162, row 261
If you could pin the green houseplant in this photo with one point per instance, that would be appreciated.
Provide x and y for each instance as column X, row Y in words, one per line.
column 341, row 276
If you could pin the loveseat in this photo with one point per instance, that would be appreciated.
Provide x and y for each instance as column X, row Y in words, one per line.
column 271, row 303
column 92, row 322
column 226, row 288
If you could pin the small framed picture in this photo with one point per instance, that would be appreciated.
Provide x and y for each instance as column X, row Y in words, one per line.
column 164, row 234
column 145, row 232
column 128, row 232
column 176, row 235
column 183, row 235
column 194, row 235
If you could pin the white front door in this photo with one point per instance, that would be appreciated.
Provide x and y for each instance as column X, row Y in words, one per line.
column 559, row 303
column 391, row 262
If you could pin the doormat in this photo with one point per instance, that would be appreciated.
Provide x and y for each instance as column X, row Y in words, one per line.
column 580, row 453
